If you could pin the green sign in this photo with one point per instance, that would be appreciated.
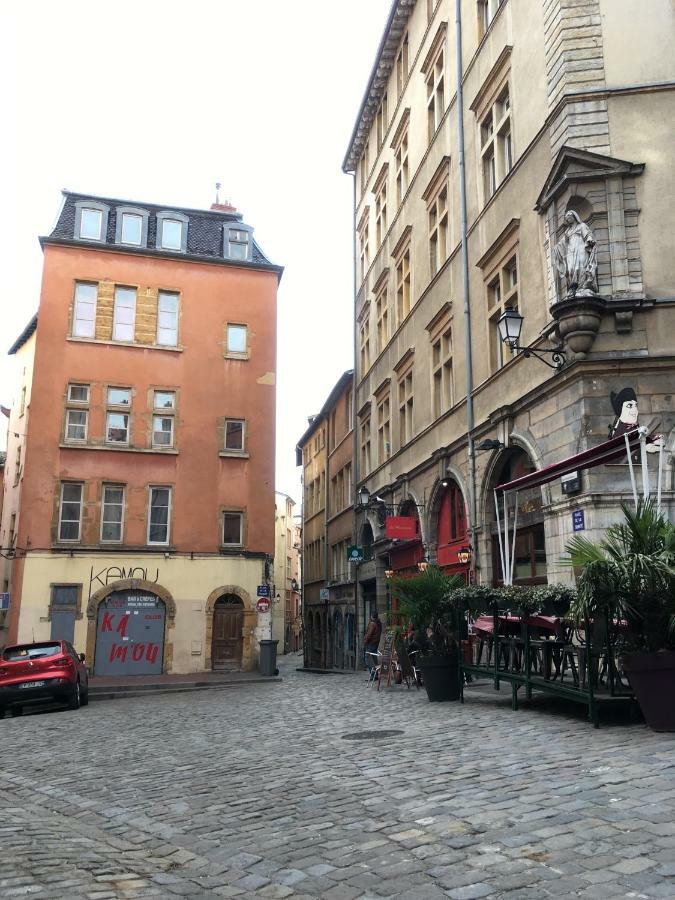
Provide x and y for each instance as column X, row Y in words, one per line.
column 355, row 554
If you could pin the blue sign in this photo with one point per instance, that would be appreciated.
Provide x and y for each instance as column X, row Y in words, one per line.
column 4, row 601
column 263, row 590
column 578, row 520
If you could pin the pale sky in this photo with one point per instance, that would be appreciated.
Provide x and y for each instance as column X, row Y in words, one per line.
column 156, row 101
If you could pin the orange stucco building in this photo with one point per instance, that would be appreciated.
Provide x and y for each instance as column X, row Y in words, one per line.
column 146, row 487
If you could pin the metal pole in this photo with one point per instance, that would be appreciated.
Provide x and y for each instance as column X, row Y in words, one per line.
column 355, row 438
column 632, row 472
column 499, row 535
column 465, row 275
column 513, row 550
column 507, row 546
column 645, row 468
column 658, row 482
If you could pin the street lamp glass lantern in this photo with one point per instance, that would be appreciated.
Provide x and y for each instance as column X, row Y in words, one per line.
column 510, row 324
column 364, row 497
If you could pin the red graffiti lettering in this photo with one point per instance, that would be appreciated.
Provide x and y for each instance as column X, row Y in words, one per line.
column 137, row 652
column 151, row 652
column 118, row 652
column 107, row 623
column 122, row 627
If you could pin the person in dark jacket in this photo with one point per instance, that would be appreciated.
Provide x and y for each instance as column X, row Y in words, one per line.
column 371, row 640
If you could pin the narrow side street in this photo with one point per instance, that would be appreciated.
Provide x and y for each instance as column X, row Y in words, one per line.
column 260, row 791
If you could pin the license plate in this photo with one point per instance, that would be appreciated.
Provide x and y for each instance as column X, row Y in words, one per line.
column 32, row 684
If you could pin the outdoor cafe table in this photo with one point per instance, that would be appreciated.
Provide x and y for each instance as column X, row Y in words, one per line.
column 510, row 627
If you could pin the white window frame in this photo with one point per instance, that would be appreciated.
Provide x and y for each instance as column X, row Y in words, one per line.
column 241, row 449
column 131, row 215
column 162, row 244
column 77, row 384
column 114, row 487
column 123, row 291
column 65, row 484
column 160, row 338
column 151, row 489
column 68, row 437
column 161, row 445
column 90, row 209
column 237, row 353
column 117, row 409
column 80, row 304
column 240, row 515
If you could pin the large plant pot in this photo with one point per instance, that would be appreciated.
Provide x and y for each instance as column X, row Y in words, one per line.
column 441, row 677
column 652, row 677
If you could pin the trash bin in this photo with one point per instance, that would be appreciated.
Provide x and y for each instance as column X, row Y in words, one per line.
column 268, row 658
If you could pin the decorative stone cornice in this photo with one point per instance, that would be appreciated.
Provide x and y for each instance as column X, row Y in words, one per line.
column 377, row 83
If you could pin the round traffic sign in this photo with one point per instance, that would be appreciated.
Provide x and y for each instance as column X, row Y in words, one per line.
column 263, row 605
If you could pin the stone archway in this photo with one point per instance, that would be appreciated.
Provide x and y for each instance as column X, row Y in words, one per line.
column 250, row 622
column 132, row 584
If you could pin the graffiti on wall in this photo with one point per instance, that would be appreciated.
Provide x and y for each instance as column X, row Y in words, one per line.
column 118, row 573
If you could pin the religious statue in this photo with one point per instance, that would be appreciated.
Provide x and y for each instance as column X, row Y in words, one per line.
column 576, row 257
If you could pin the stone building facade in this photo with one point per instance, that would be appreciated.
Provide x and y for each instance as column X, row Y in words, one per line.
column 325, row 452
column 141, row 502
column 556, row 127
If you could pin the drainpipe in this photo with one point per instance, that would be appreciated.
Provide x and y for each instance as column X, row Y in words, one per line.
column 355, row 434
column 465, row 274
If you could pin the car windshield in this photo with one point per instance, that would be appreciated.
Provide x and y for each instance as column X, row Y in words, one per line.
column 31, row 651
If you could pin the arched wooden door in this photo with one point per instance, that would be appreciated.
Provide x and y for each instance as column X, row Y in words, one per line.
column 228, row 630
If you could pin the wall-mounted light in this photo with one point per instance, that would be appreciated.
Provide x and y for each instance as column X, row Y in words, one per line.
column 510, row 324
column 423, row 565
column 464, row 555
column 388, row 574
column 490, row 444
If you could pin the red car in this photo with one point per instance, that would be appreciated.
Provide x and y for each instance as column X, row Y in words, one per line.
column 39, row 672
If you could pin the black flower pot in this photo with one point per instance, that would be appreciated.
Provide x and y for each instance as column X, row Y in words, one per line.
column 652, row 677
column 441, row 676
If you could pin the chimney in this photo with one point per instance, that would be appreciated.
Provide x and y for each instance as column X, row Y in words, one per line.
column 224, row 207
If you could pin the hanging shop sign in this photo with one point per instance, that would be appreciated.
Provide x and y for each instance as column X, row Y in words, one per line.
column 401, row 528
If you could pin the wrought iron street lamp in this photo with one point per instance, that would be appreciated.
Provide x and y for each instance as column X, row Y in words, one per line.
column 510, row 324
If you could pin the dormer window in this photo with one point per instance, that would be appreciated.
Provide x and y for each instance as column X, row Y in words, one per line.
column 132, row 229
column 90, row 224
column 91, row 221
column 237, row 242
column 172, row 232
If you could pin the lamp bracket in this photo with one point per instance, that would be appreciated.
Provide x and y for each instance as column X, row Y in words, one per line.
column 558, row 357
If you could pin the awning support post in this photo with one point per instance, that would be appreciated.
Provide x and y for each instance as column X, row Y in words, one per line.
column 659, row 479
column 632, row 471
column 507, row 547
column 645, row 469
column 499, row 535
column 513, row 549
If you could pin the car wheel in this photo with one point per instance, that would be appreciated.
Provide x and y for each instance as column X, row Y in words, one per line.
column 17, row 711
column 75, row 697
column 84, row 697
column 2, row 712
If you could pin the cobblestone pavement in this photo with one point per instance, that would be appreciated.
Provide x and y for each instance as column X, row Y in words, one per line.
column 256, row 792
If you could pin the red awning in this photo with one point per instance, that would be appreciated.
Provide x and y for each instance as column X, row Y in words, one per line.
column 608, row 451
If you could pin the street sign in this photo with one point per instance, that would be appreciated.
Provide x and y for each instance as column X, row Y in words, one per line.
column 355, row 554
column 263, row 605
column 578, row 520
column 4, row 601
column 323, row 594
column 263, row 590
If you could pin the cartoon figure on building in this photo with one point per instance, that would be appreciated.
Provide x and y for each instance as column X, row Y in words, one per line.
column 625, row 405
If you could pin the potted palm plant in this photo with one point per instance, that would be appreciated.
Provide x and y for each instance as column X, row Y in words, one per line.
column 425, row 603
column 630, row 576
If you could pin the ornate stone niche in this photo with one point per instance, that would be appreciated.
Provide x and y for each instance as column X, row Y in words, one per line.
column 591, row 243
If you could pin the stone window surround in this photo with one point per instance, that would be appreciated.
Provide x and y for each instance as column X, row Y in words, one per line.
column 179, row 217
column 493, row 263
column 91, row 204
column 134, row 211
column 233, row 511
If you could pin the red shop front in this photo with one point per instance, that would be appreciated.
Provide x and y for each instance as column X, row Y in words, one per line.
column 452, row 532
